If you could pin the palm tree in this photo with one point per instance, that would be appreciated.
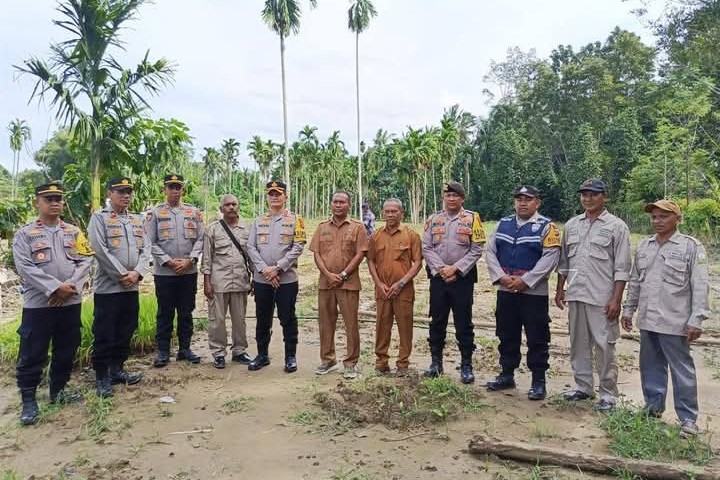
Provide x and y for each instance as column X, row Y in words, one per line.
column 263, row 153
column 359, row 16
column 82, row 72
column 283, row 17
column 19, row 134
column 230, row 150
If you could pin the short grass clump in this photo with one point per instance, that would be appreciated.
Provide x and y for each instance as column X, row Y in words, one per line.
column 633, row 434
column 98, row 410
column 143, row 341
column 238, row 405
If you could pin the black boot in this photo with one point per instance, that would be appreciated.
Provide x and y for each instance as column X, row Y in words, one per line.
column 262, row 360
column 103, row 383
column 187, row 354
column 30, row 410
column 290, row 364
column 436, row 367
column 503, row 381
column 162, row 359
column 466, row 369
column 58, row 394
column 537, row 388
column 119, row 375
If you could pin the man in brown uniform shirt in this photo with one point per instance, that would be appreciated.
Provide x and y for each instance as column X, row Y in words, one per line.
column 339, row 245
column 394, row 258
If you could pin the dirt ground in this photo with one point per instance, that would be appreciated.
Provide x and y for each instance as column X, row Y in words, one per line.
column 236, row 424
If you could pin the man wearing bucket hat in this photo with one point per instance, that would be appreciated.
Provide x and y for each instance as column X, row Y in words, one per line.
column 669, row 290
column 521, row 254
column 176, row 233
column 594, row 264
column 53, row 259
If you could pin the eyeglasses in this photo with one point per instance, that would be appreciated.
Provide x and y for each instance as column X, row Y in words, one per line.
column 173, row 186
column 122, row 191
column 53, row 198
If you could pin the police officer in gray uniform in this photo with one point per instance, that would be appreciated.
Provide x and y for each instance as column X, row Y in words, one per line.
column 53, row 259
column 176, row 232
column 122, row 256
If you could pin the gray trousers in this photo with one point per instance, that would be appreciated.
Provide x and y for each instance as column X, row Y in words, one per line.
column 657, row 352
column 217, row 333
column 593, row 337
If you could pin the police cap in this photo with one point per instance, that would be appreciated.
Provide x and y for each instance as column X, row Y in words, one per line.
column 174, row 178
column 276, row 186
column 526, row 191
column 119, row 182
column 593, row 185
column 50, row 188
column 454, row 187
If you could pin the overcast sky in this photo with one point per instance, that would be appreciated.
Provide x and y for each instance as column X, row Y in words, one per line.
column 417, row 58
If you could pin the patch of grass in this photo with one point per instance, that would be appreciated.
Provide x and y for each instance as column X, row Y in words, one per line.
column 304, row 418
column 625, row 474
column 350, row 473
column 562, row 405
column 540, row 472
column 98, row 410
column 165, row 412
column 238, row 405
column 200, row 324
column 540, row 431
column 9, row 475
column 48, row 411
column 633, row 434
column 626, row 362
column 142, row 342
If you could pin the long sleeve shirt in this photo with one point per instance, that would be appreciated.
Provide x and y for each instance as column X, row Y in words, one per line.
column 277, row 241
column 453, row 240
column 175, row 233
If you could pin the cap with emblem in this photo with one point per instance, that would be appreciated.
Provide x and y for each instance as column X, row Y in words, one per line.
column 50, row 188
column 276, row 186
column 593, row 185
column 454, row 187
column 119, row 182
column 526, row 191
column 667, row 205
column 174, row 179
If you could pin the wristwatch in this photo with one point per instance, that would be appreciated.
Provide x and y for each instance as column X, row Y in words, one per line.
column 194, row 260
column 344, row 275
column 401, row 283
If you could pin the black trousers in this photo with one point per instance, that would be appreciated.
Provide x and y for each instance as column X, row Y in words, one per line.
column 38, row 329
column 458, row 297
column 175, row 294
column 116, row 319
column 513, row 312
column 266, row 299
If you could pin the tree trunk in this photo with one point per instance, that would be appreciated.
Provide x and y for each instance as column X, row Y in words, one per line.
column 357, row 97
column 540, row 454
column 95, row 185
column 15, row 168
column 286, row 154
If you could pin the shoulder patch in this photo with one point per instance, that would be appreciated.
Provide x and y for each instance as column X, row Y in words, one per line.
column 299, row 235
column 552, row 239
column 478, row 232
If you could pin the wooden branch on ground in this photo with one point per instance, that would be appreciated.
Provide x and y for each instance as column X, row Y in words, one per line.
column 586, row 462
column 702, row 341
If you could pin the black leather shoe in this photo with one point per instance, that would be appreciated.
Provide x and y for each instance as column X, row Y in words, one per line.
column 120, row 376
column 501, row 382
column 242, row 358
column 188, row 355
column 30, row 409
column 161, row 360
column 290, row 364
column 259, row 362
column 103, row 387
column 219, row 362
column 466, row 373
column 435, row 369
column 537, row 391
column 576, row 396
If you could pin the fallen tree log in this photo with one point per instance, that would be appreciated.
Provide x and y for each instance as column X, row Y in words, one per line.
column 586, row 462
column 702, row 341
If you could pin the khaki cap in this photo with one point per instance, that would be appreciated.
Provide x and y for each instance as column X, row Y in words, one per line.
column 667, row 205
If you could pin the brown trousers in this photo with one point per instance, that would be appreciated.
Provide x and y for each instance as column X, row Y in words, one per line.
column 402, row 311
column 348, row 301
column 217, row 333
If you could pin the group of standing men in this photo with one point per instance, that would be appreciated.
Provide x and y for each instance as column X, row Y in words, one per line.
column 668, row 287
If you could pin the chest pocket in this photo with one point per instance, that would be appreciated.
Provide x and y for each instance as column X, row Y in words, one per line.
column 599, row 244
column 115, row 235
column 70, row 247
column 348, row 241
column 40, row 252
column 223, row 246
column 287, row 234
column 572, row 242
column 675, row 270
column 464, row 232
column 139, row 234
column 190, row 227
column 166, row 229
column 401, row 253
column 438, row 232
column 263, row 234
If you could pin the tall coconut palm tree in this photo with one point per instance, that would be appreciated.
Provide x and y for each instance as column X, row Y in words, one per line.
column 283, row 17
column 19, row 134
column 359, row 16
column 93, row 95
column 230, row 150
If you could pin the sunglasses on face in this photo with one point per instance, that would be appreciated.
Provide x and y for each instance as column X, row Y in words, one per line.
column 174, row 186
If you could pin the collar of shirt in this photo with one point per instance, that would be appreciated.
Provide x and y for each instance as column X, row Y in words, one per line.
column 583, row 216
column 674, row 238
column 460, row 213
column 399, row 229
column 345, row 220
column 520, row 222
